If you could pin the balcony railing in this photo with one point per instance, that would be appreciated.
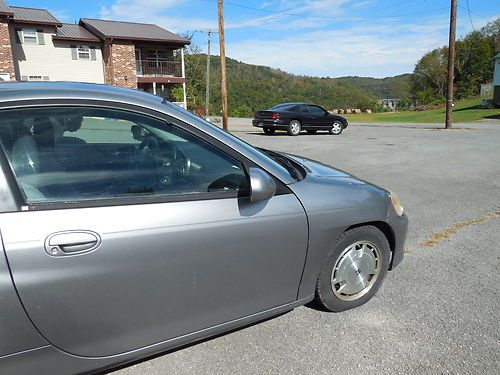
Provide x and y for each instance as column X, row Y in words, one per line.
column 159, row 68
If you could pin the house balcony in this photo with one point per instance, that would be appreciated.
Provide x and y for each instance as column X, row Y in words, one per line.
column 159, row 68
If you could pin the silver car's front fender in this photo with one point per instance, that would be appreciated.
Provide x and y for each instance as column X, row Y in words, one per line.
column 333, row 205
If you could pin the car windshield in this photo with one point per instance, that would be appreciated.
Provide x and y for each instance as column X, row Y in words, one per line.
column 293, row 168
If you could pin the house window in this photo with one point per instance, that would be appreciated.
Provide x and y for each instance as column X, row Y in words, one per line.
column 156, row 57
column 83, row 53
column 35, row 78
column 30, row 36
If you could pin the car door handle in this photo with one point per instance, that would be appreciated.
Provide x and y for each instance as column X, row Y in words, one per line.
column 72, row 242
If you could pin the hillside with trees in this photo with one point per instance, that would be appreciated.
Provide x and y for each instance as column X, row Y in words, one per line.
column 382, row 88
column 473, row 66
column 253, row 87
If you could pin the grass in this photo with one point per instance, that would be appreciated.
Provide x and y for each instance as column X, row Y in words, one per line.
column 464, row 111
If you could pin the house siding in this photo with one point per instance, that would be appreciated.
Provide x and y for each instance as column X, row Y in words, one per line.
column 6, row 62
column 54, row 59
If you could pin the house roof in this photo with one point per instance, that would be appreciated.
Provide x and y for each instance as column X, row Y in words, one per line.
column 106, row 29
column 35, row 16
column 70, row 31
column 5, row 9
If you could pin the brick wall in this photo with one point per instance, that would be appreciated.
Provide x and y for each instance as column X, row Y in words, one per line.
column 6, row 61
column 119, row 64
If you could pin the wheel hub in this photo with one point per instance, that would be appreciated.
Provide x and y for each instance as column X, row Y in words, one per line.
column 356, row 271
column 336, row 128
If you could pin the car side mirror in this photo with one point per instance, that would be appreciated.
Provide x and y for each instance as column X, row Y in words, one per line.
column 262, row 185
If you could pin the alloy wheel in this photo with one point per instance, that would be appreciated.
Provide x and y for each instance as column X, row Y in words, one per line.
column 356, row 270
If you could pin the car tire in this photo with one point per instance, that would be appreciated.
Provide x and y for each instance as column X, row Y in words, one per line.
column 336, row 128
column 311, row 131
column 294, row 127
column 354, row 269
column 269, row 131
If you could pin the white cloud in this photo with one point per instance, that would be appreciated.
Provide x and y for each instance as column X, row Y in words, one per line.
column 362, row 4
column 62, row 15
column 155, row 11
column 378, row 50
column 311, row 45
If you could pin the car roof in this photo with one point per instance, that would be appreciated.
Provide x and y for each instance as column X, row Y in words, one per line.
column 294, row 103
column 15, row 91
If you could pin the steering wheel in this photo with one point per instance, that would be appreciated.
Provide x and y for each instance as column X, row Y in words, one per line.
column 148, row 145
column 180, row 162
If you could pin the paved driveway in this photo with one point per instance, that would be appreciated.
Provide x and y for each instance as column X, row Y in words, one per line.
column 437, row 313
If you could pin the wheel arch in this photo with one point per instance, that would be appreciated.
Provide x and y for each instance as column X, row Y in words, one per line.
column 386, row 229
column 343, row 120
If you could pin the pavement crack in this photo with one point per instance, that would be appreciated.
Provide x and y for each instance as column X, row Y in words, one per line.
column 437, row 237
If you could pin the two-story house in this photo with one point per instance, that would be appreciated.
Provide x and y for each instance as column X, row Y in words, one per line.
column 35, row 46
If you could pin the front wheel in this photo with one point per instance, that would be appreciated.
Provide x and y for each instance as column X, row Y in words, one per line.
column 354, row 269
column 294, row 127
column 269, row 131
column 336, row 128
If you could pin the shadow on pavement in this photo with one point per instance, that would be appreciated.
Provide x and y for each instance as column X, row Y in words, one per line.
column 162, row 353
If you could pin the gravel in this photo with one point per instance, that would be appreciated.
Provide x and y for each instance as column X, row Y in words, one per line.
column 437, row 313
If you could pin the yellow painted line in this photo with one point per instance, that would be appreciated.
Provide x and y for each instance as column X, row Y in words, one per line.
column 438, row 237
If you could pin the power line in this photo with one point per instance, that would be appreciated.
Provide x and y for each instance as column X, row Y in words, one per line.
column 470, row 17
column 323, row 17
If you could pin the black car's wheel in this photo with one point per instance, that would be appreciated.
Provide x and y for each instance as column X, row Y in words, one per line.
column 269, row 131
column 294, row 127
column 336, row 128
column 354, row 270
column 311, row 131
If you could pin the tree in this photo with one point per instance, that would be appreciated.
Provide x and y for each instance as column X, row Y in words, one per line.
column 473, row 66
column 428, row 81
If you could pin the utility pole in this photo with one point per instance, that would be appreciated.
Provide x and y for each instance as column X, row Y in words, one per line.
column 451, row 64
column 207, row 88
column 209, row 33
column 223, row 66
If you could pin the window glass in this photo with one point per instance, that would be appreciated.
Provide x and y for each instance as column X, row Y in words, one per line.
column 76, row 153
column 316, row 110
column 156, row 58
column 30, row 36
column 303, row 108
column 83, row 53
column 281, row 107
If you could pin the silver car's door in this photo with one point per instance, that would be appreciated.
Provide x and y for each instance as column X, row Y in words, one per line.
column 134, row 231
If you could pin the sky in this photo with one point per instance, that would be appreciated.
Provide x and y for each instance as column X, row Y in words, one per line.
column 335, row 38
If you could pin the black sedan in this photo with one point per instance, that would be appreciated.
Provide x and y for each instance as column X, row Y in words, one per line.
column 294, row 117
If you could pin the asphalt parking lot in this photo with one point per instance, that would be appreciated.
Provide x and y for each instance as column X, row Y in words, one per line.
column 437, row 313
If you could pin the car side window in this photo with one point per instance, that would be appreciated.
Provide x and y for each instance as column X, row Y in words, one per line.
column 83, row 153
column 316, row 110
column 303, row 108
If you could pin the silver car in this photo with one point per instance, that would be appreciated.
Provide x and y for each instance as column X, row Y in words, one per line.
column 130, row 227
